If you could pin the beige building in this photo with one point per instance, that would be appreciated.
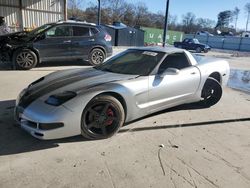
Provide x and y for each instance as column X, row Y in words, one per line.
column 27, row 14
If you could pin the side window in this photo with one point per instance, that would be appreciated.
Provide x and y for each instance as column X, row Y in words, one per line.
column 59, row 31
column 81, row 31
column 94, row 31
column 176, row 60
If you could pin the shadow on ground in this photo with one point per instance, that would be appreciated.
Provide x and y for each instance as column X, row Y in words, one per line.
column 14, row 140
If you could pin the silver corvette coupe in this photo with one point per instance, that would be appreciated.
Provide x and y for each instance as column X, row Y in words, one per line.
column 97, row 101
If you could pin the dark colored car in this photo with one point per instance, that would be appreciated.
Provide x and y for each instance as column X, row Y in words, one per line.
column 192, row 44
column 56, row 41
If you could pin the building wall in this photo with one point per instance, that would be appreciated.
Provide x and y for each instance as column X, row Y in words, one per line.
column 21, row 14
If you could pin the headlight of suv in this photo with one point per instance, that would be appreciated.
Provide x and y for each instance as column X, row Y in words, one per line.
column 60, row 98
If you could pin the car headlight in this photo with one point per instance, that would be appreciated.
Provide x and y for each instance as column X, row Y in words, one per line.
column 60, row 98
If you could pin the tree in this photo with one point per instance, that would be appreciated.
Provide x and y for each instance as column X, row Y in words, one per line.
column 74, row 9
column 188, row 21
column 141, row 13
column 236, row 13
column 247, row 9
column 224, row 18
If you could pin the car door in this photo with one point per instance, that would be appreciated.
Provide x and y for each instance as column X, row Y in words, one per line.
column 82, row 41
column 175, row 87
column 56, row 44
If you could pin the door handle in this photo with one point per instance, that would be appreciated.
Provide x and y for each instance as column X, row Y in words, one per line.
column 67, row 41
column 193, row 73
column 91, row 40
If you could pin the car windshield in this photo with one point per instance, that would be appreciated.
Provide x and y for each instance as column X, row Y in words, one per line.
column 198, row 58
column 39, row 29
column 134, row 62
column 196, row 41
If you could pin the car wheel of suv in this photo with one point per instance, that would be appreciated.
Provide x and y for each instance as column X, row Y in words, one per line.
column 96, row 56
column 102, row 117
column 24, row 59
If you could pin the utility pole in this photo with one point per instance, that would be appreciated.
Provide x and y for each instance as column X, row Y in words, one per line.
column 165, row 25
column 99, row 13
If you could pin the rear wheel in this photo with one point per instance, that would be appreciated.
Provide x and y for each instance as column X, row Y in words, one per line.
column 96, row 56
column 24, row 59
column 211, row 92
column 198, row 50
column 102, row 117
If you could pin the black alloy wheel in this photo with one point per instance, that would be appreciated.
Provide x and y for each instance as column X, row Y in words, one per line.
column 96, row 56
column 25, row 59
column 102, row 117
column 211, row 92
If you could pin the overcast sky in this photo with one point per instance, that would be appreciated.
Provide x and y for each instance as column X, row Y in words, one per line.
column 201, row 8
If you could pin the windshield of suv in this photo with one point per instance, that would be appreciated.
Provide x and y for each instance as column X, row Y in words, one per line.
column 134, row 62
column 39, row 29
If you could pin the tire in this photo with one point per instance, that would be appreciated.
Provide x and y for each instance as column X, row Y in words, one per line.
column 102, row 117
column 198, row 50
column 205, row 50
column 211, row 92
column 96, row 56
column 24, row 59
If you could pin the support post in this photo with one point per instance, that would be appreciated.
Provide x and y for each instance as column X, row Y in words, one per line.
column 99, row 13
column 165, row 24
column 21, row 27
column 65, row 10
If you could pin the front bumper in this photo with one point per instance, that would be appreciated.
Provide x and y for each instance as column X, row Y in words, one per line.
column 4, row 55
column 46, row 124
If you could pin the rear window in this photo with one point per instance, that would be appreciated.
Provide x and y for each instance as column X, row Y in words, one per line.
column 80, row 31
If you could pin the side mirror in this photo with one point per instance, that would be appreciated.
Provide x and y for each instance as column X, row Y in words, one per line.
column 170, row 71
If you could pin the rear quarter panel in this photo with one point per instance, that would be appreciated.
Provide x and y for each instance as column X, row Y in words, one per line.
column 210, row 66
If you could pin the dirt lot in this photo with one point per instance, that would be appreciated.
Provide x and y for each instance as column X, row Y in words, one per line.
column 202, row 147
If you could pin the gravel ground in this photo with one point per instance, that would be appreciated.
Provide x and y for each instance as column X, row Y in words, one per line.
column 186, row 146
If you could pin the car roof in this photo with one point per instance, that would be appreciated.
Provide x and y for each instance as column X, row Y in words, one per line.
column 76, row 22
column 167, row 49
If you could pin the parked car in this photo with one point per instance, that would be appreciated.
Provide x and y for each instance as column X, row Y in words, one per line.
column 97, row 101
column 57, row 41
column 192, row 44
column 204, row 33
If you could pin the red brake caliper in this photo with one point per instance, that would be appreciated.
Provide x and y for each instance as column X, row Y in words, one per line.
column 110, row 113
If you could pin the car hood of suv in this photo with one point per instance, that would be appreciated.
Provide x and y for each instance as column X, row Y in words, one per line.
column 15, row 38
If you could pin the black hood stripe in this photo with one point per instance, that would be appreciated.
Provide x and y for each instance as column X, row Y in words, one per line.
column 33, row 94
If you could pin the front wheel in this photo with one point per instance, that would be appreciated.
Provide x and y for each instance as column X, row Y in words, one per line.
column 211, row 92
column 24, row 59
column 96, row 57
column 102, row 117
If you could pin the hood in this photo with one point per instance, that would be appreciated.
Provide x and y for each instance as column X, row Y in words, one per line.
column 70, row 80
column 205, row 45
column 14, row 38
